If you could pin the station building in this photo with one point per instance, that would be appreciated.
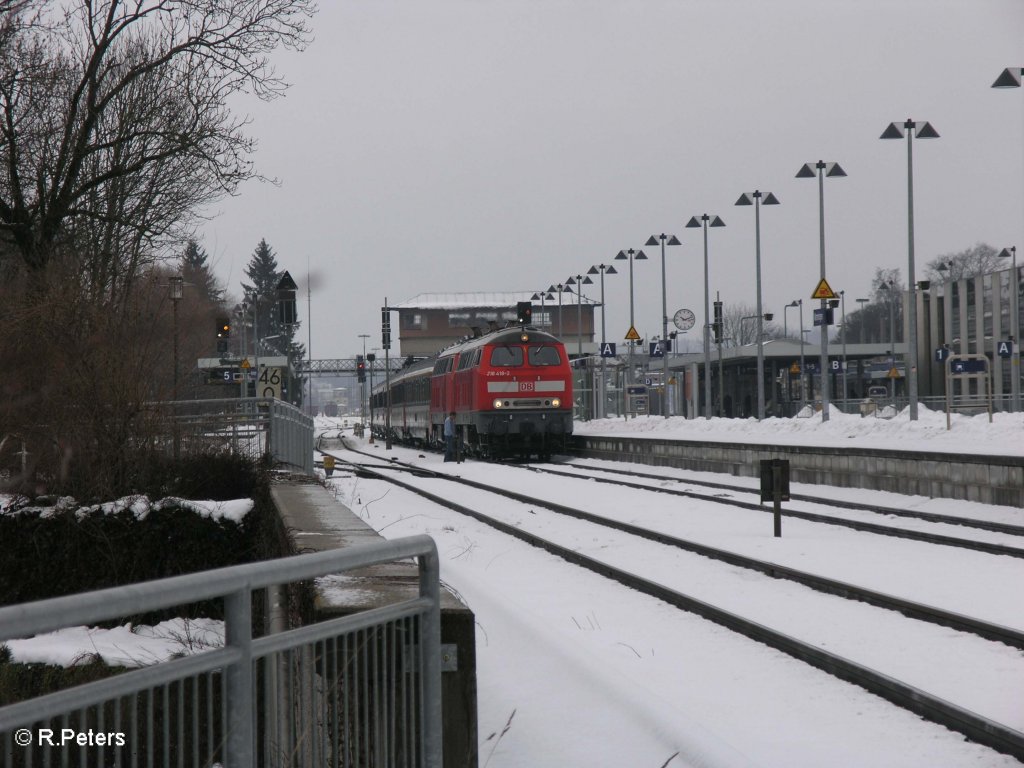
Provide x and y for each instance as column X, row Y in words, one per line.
column 432, row 321
column 966, row 316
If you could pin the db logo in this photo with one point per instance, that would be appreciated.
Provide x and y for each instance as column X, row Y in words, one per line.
column 526, row 386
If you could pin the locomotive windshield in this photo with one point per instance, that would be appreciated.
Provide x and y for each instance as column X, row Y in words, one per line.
column 544, row 356
column 512, row 357
column 506, row 357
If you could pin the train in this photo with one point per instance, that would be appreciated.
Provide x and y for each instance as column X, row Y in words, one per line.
column 510, row 389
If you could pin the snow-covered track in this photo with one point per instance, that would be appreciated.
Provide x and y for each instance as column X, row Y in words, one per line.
column 974, row 726
column 859, row 525
column 909, row 608
column 932, row 517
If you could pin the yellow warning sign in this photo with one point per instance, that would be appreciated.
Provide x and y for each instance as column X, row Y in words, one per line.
column 893, row 373
column 632, row 335
column 824, row 291
column 794, row 369
column 245, row 364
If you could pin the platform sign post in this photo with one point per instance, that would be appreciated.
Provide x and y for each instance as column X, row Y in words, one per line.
column 775, row 487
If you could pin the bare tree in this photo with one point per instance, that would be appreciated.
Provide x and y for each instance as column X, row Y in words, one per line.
column 114, row 123
column 739, row 323
column 979, row 260
column 114, row 131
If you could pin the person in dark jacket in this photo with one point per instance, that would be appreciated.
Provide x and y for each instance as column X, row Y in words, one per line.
column 449, row 437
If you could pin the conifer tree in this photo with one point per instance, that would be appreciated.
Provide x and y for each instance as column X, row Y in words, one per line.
column 197, row 273
column 261, row 295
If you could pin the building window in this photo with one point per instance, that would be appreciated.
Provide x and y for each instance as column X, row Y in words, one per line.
column 413, row 321
column 458, row 319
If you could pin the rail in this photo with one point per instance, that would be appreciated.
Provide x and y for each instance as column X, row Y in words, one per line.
column 363, row 689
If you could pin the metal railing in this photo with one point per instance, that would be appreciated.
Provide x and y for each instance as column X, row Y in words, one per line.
column 360, row 690
column 250, row 427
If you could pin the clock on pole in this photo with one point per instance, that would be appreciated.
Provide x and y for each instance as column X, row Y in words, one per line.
column 684, row 319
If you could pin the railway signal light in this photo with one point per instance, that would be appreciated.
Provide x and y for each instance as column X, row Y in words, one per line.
column 524, row 312
column 360, row 369
column 223, row 328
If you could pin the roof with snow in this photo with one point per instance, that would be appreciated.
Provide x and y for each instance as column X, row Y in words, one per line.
column 472, row 300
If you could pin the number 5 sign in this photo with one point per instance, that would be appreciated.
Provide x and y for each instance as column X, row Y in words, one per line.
column 268, row 384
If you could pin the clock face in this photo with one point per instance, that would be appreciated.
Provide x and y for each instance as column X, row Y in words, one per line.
column 684, row 319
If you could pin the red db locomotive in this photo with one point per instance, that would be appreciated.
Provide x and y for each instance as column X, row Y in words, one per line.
column 510, row 389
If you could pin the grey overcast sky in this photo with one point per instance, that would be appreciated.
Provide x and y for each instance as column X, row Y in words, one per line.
column 504, row 145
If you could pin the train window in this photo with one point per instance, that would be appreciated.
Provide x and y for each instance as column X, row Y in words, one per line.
column 506, row 357
column 469, row 359
column 544, row 356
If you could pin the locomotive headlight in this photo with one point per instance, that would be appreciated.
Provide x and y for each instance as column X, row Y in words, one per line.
column 497, row 403
column 555, row 403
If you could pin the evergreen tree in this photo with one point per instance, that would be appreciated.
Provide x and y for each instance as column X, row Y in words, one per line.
column 197, row 273
column 261, row 295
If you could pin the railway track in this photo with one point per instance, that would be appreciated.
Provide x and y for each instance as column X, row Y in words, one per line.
column 859, row 525
column 972, row 725
column 987, row 525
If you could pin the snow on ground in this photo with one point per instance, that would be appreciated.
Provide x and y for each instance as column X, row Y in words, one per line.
column 126, row 646
column 968, row 434
column 576, row 671
column 596, row 676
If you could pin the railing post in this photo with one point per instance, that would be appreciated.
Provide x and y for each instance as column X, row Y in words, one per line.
column 430, row 587
column 239, row 701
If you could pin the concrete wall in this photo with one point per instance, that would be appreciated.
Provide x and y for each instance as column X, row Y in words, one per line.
column 988, row 479
column 317, row 522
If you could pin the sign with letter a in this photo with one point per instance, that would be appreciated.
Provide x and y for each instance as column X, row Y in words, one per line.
column 608, row 349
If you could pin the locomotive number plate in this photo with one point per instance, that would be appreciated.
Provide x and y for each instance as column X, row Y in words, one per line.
column 526, row 386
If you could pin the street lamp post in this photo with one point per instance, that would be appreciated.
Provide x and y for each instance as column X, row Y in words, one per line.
column 799, row 303
column 177, row 284
column 860, row 333
column 309, row 341
column 559, row 289
column 821, row 169
column 1011, row 78
column 704, row 221
column 842, row 304
column 639, row 256
column 890, row 288
column 785, row 318
column 244, row 307
column 542, row 295
column 863, row 319
column 602, row 269
column 579, row 281
column 664, row 240
column 177, row 291
column 922, row 130
column 754, row 198
column 803, row 367
column 1014, row 328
